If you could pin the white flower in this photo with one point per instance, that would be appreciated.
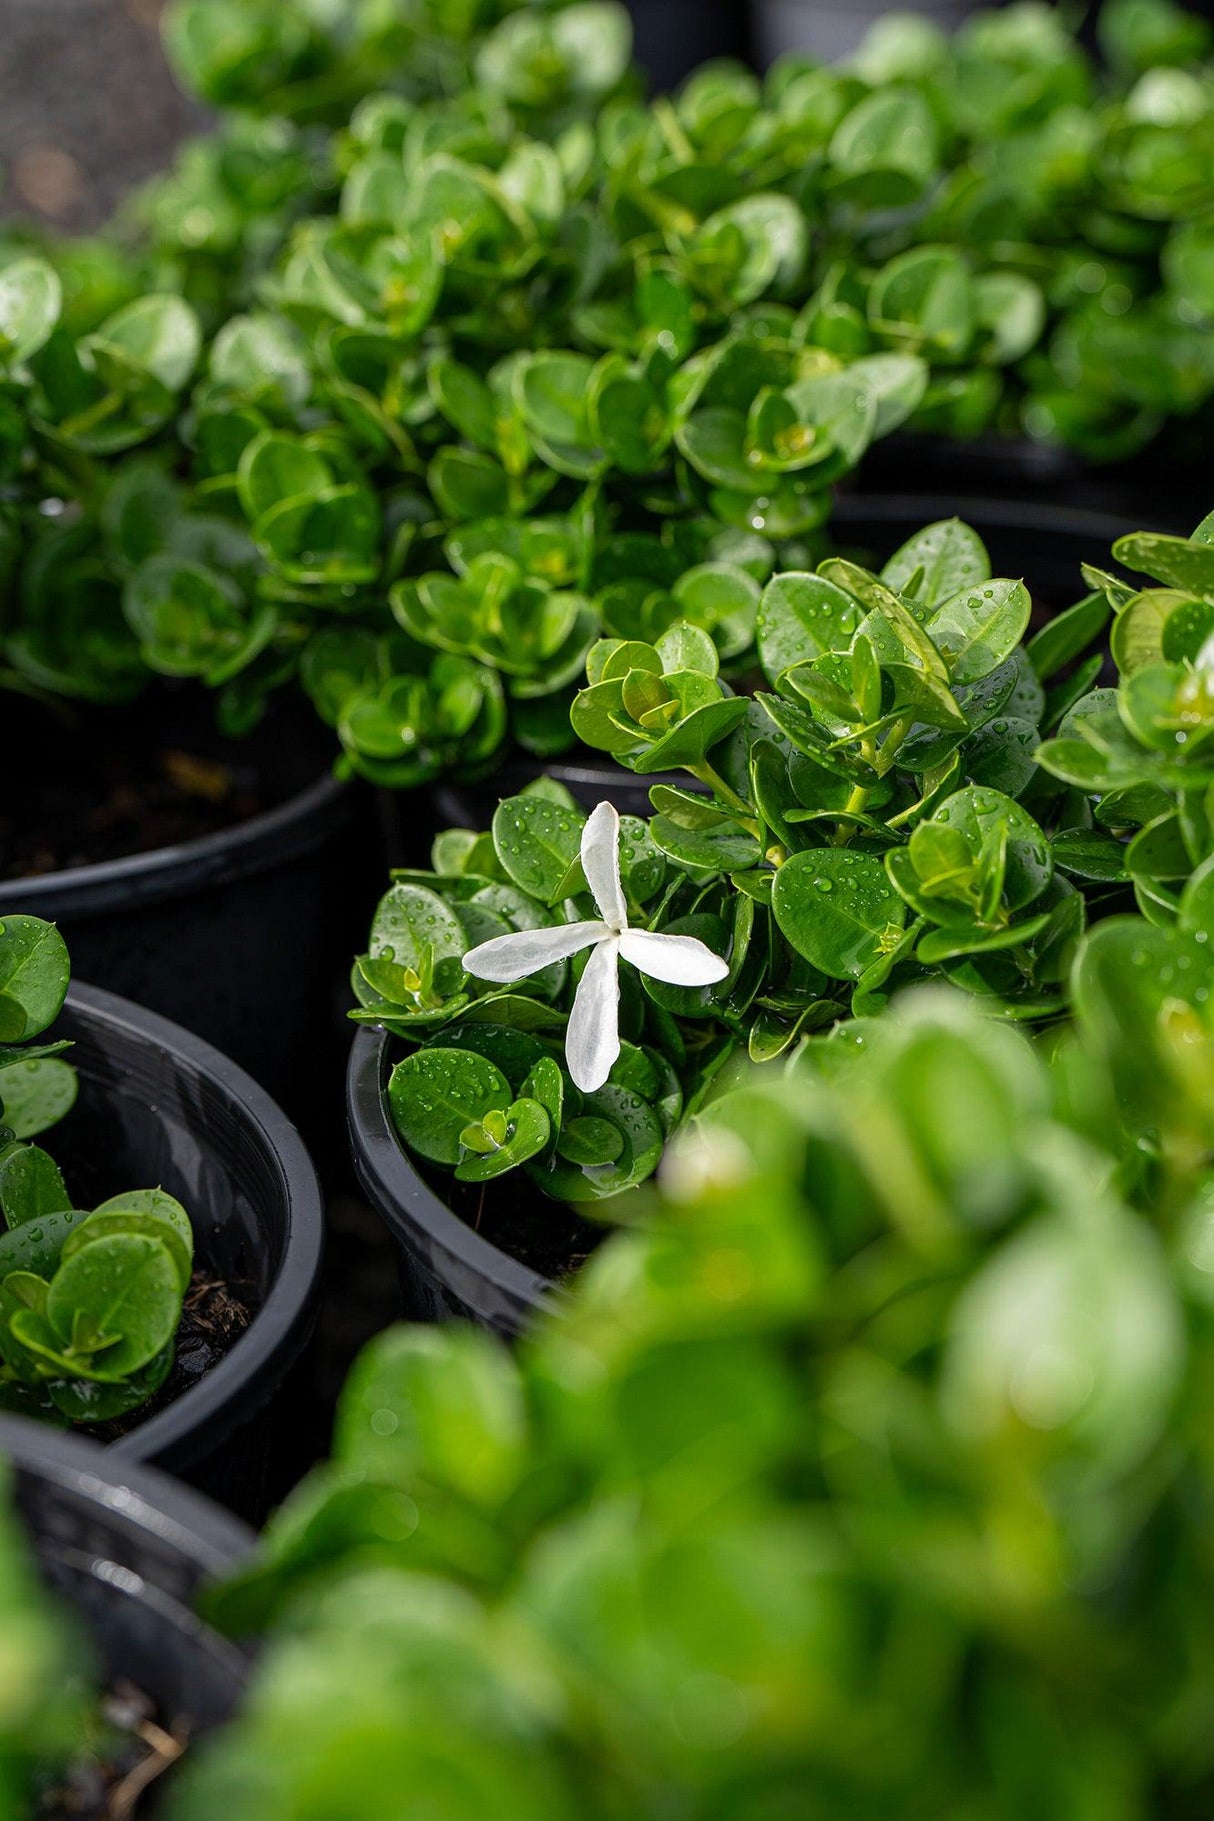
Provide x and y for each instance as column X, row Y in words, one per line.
column 592, row 1040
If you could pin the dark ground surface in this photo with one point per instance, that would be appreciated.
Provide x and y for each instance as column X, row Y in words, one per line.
column 88, row 107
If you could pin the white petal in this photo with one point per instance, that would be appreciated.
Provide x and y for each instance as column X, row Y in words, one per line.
column 592, row 1040
column 679, row 960
column 526, row 951
column 601, row 864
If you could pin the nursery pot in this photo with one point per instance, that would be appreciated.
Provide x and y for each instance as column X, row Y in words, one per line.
column 126, row 1549
column 830, row 30
column 1041, row 543
column 1158, row 485
column 233, row 934
column 157, row 1106
column 1045, row 544
column 671, row 38
column 448, row 1271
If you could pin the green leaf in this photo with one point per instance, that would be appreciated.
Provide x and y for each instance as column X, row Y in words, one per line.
column 977, row 813
column 31, row 1185
column 34, row 975
column 643, row 1140
column 37, row 1095
column 1181, row 562
column 31, row 298
column 440, row 1405
column 539, row 843
column 121, row 1293
column 160, row 334
column 435, row 1093
column 885, row 149
column 801, row 616
column 837, row 909
column 551, row 390
column 525, row 1133
column 1087, row 853
column 942, row 560
column 689, row 743
column 590, row 1142
column 924, row 298
column 416, row 929
column 724, row 847
column 36, row 1245
column 276, row 467
column 978, row 628
column 149, row 1212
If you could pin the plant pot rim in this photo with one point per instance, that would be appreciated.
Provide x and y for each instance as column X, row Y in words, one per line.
column 890, row 505
column 511, row 1293
column 237, row 1386
column 289, row 830
column 146, row 1499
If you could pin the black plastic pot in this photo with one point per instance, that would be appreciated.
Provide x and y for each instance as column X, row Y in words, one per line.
column 241, row 935
column 830, row 30
column 159, row 1106
column 127, row 1549
column 673, row 37
column 448, row 1272
column 1164, row 485
column 1043, row 543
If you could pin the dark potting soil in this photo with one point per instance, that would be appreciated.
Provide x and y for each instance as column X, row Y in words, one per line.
column 214, row 1315
column 119, row 1778
column 107, row 783
column 514, row 1216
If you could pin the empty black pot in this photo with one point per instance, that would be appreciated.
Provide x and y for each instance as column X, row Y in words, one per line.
column 448, row 1272
column 127, row 1549
column 157, row 1106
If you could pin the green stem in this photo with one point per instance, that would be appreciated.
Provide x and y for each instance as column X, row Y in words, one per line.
column 891, row 743
column 706, row 775
column 96, row 414
column 672, row 131
column 855, row 803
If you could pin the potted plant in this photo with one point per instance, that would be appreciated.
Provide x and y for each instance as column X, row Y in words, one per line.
column 158, row 1273
column 1044, row 544
column 370, row 429
column 884, row 810
column 115, row 1679
column 903, row 1366
column 511, row 318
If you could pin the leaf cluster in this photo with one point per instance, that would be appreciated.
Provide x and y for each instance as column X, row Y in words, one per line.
column 879, row 800
column 484, row 1089
column 89, row 1301
column 887, row 1424
column 512, row 349
column 41, row 1711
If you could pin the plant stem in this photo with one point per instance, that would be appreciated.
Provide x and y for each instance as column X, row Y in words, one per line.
column 855, row 803
column 706, row 775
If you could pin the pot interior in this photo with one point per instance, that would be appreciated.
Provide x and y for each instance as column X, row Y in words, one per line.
column 148, row 1117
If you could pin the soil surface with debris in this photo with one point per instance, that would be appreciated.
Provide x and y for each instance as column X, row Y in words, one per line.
column 117, row 1779
column 88, row 108
column 512, row 1214
column 214, row 1315
column 110, row 782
